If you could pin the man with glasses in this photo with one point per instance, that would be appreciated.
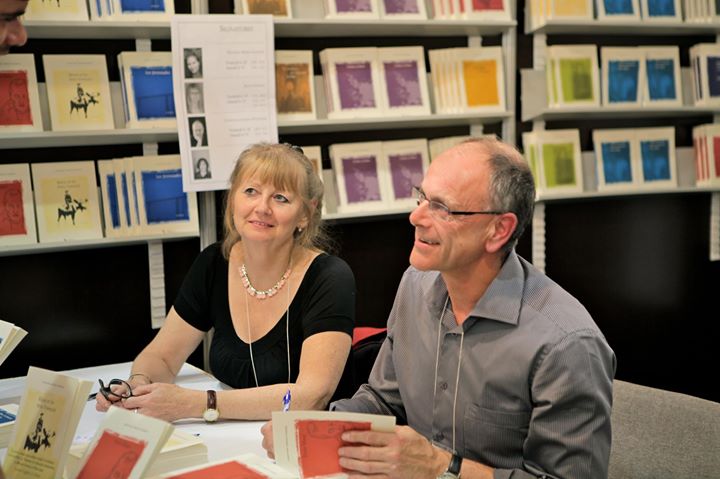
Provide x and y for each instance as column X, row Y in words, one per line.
column 12, row 31
column 496, row 370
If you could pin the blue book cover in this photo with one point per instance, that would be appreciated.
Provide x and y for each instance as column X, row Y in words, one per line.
column 618, row 7
column 713, row 69
column 616, row 162
column 113, row 205
column 661, row 8
column 623, row 76
column 153, row 89
column 165, row 200
column 661, row 79
column 655, row 160
column 6, row 416
column 142, row 6
column 126, row 196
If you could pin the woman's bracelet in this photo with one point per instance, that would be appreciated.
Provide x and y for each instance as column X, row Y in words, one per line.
column 140, row 374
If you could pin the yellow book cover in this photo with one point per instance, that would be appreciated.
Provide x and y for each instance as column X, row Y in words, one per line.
column 481, row 85
column 78, row 92
column 66, row 199
column 50, row 10
column 50, row 410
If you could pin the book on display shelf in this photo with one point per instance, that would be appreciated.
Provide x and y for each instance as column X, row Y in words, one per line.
column 663, row 85
column 406, row 162
column 56, row 11
column 111, row 206
column 617, row 160
column 573, row 76
column 706, row 141
column 661, row 11
column 295, row 85
column 404, row 81
column 132, row 10
column 66, row 201
column 276, row 8
column 147, row 87
column 19, row 98
column 352, row 82
column 489, row 9
column 358, row 9
column 10, row 337
column 623, row 71
column 359, row 176
column 8, row 415
column 618, row 10
column 657, row 157
column 555, row 159
column 49, row 413
column 17, row 212
column 78, row 92
column 705, row 63
column 403, row 9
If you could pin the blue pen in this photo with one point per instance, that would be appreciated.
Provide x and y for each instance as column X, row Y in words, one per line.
column 286, row 401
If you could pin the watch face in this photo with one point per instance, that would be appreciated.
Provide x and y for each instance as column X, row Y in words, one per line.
column 211, row 415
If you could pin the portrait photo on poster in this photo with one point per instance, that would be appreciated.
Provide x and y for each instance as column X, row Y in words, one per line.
column 198, row 132
column 193, row 62
column 194, row 98
column 201, row 165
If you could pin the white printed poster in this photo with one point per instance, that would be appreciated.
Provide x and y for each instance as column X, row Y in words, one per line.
column 224, row 84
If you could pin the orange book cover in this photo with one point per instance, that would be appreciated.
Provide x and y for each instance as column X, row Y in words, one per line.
column 226, row 470
column 114, row 456
column 481, row 82
column 318, row 442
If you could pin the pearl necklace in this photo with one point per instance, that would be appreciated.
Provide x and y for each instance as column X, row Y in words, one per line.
column 262, row 294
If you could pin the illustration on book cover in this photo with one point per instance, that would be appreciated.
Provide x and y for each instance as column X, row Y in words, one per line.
column 68, row 201
column 12, row 216
column 39, row 437
column 14, row 99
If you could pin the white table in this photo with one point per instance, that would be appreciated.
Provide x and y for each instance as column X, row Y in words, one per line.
column 223, row 439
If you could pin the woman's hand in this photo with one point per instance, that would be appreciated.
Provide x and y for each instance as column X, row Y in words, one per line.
column 267, row 442
column 165, row 401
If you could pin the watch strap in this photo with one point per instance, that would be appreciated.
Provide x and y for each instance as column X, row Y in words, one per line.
column 455, row 465
column 211, row 399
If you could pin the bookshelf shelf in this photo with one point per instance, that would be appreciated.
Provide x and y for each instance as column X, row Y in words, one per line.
column 17, row 250
column 591, row 195
column 597, row 27
column 284, row 28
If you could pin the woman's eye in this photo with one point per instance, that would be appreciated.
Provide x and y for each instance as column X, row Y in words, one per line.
column 250, row 191
column 281, row 198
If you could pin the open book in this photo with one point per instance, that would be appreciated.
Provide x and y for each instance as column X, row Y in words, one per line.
column 10, row 337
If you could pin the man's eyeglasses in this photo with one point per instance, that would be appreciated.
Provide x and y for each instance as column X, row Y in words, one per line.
column 442, row 212
column 116, row 390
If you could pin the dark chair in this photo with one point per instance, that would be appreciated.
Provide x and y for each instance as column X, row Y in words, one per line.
column 365, row 348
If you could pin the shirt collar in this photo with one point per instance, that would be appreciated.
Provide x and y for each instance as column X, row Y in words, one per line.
column 502, row 299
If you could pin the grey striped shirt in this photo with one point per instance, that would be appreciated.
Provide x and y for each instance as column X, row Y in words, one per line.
column 535, row 388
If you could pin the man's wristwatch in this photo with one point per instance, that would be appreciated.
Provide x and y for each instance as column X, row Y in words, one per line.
column 453, row 470
column 212, row 413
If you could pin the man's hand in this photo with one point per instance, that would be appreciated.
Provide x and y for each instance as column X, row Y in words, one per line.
column 403, row 453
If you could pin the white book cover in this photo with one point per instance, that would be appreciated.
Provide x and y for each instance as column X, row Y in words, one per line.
column 485, row 10
column 657, row 157
column 404, row 80
column 618, row 10
column 163, row 205
column 352, row 9
column 560, row 161
column 243, row 466
column 623, row 74
column 705, row 62
column 439, row 101
column 481, row 74
column 662, row 11
column 570, row 10
column 575, row 80
column 702, row 150
column 17, row 212
column 359, row 176
column 295, row 85
column 10, row 337
column 141, row 10
column 354, row 79
column 124, row 445
column 56, row 10
column 276, row 8
column 66, row 201
column 50, row 410
column 616, row 156
column 306, row 442
column 19, row 99
column 78, row 92
column 148, row 89
column 663, row 85
column 406, row 162
column 112, row 213
column 403, row 9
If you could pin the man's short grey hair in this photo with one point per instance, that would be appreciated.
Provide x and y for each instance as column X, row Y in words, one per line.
column 512, row 188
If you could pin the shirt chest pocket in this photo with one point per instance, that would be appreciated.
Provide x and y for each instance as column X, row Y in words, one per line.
column 495, row 437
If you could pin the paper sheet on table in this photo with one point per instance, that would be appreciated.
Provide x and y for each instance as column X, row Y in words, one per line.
column 306, row 442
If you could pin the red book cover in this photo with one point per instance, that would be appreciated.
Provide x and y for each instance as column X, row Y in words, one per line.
column 716, row 154
column 318, row 443
column 14, row 99
column 114, row 457
column 226, row 470
column 12, row 216
column 482, row 5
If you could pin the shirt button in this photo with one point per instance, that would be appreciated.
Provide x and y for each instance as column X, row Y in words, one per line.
column 443, row 385
column 438, row 437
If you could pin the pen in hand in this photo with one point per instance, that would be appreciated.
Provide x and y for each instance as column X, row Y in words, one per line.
column 286, row 401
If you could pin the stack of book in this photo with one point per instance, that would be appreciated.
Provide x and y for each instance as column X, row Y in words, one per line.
column 573, row 78
column 468, row 79
column 706, row 141
column 375, row 82
column 555, row 159
column 705, row 63
column 471, row 10
column 658, row 11
column 701, row 11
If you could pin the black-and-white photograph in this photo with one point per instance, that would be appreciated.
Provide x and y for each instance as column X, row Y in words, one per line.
column 194, row 98
column 198, row 132
column 193, row 62
column 201, row 165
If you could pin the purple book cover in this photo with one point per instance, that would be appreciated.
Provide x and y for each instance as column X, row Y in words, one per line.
column 403, row 84
column 401, row 6
column 350, row 6
column 355, row 85
column 406, row 171
column 361, row 179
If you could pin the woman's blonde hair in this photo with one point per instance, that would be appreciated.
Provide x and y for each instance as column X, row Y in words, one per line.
column 285, row 167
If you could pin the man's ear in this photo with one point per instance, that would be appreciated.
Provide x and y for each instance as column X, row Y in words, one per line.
column 500, row 232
